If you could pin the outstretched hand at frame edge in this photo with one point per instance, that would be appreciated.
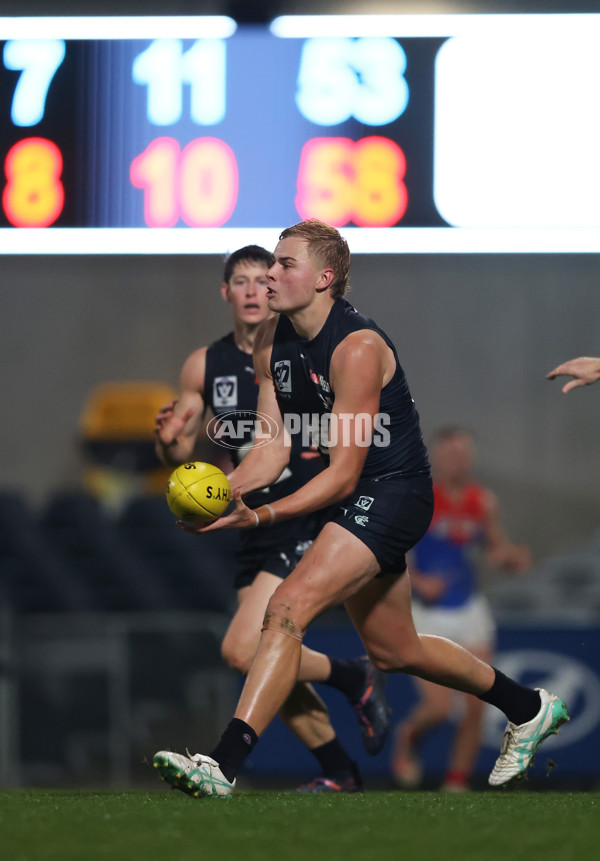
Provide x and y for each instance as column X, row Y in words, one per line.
column 585, row 371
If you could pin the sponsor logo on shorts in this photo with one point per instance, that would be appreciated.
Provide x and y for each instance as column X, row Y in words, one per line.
column 225, row 390
column 302, row 546
column 361, row 519
column 364, row 502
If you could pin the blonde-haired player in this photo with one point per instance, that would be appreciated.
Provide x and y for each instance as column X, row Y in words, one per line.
column 221, row 378
column 321, row 356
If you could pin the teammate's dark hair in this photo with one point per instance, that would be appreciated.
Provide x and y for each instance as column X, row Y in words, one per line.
column 250, row 253
column 327, row 248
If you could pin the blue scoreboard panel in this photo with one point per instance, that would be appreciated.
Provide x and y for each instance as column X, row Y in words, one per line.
column 189, row 135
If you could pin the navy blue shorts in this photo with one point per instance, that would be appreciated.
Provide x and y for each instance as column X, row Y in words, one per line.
column 276, row 549
column 389, row 515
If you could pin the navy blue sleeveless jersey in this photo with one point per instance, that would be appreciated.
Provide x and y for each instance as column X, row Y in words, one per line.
column 300, row 370
column 231, row 391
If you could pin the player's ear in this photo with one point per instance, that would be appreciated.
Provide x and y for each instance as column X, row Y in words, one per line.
column 325, row 280
column 225, row 291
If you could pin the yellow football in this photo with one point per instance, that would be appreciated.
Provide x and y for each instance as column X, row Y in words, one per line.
column 198, row 492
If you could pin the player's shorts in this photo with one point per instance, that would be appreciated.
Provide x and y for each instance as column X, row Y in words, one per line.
column 389, row 515
column 470, row 625
column 276, row 549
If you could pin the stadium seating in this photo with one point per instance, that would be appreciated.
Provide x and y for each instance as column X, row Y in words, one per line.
column 198, row 571
column 32, row 577
column 74, row 556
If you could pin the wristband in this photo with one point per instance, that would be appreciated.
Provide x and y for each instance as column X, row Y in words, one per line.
column 257, row 523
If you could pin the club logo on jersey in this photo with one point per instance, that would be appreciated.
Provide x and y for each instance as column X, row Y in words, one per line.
column 364, row 502
column 319, row 380
column 361, row 519
column 225, row 392
column 283, row 376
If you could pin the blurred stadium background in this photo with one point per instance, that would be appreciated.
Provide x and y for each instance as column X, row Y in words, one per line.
column 111, row 619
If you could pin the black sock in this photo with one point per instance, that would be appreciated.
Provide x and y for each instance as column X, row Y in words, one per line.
column 333, row 759
column 348, row 677
column 236, row 743
column 518, row 703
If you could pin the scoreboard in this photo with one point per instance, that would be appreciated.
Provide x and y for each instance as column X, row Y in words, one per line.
column 412, row 134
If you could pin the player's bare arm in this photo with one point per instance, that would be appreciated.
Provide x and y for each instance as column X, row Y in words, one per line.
column 358, row 371
column 501, row 552
column 263, row 464
column 585, row 371
column 178, row 422
column 361, row 366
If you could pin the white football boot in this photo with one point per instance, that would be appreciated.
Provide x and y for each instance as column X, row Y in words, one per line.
column 521, row 741
column 195, row 775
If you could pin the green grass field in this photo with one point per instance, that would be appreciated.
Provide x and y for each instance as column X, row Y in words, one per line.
column 36, row 825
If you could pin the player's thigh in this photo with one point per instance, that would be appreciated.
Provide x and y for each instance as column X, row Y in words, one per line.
column 381, row 613
column 336, row 565
column 243, row 633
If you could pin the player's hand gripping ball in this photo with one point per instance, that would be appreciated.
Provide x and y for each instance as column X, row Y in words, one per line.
column 198, row 492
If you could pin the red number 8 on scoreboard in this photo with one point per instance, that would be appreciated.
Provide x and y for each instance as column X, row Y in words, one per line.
column 34, row 195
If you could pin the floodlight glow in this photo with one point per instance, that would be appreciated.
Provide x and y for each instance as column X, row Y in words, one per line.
column 409, row 240
column 125, row 27
column 310, row 26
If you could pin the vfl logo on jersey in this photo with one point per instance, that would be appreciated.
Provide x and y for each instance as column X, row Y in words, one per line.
column 225, row 392
column 283, row 376
column 364, row 502
column 361, row 519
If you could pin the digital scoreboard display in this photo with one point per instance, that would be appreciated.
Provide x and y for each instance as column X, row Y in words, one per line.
column 412, row 134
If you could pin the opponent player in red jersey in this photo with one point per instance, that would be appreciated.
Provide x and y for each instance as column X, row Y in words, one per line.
column 448, row 602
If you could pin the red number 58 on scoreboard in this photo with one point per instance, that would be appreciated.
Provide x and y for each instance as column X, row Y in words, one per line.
column 341, row 180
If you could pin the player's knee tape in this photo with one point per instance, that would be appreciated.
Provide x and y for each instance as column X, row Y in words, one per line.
column 283, row 625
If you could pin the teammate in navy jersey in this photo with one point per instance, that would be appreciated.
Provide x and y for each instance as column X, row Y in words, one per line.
column 321, row 365
column 221, row 378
